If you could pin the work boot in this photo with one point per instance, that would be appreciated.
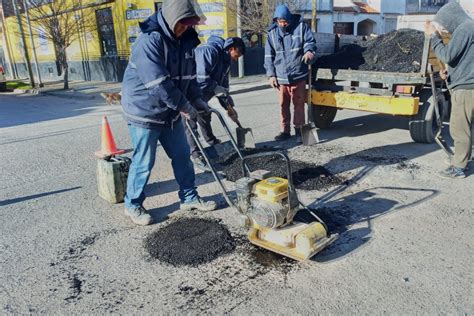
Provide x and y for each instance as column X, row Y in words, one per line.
column 452, row 173
column 282, row 136
column 139, row 215
column 198, row 204
column 299, row 139
column 201, row 163
column 215, row 141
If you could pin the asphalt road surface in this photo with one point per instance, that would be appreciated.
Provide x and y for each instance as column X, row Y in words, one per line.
column 405, row 246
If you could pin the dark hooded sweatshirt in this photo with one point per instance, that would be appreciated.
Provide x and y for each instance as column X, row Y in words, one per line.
column 213, row 65
column 160, row 79
column 458, row 54
column 284, row 49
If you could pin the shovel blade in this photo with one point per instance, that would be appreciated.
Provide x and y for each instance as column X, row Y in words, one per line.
column 309, row 134
column 245, row 137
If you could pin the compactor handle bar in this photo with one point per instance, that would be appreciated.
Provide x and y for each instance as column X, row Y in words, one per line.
column 208, row 161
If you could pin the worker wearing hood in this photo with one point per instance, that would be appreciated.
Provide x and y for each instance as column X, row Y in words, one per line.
column 160, row 84
column 289, row 49
column 458, row 54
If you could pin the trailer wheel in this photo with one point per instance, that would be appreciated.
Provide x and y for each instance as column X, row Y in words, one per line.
column 323, row 116
column 423, row 126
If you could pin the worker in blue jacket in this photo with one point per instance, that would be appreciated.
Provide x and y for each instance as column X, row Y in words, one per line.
column 213, row 65
column 289, row 49
column 159, row 84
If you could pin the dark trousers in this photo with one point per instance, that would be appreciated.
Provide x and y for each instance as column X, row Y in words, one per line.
column 204, row 122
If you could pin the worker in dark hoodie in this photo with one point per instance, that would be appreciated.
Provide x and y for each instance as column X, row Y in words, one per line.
column 289, row 49
column 213, row 66
column 458, row 54
column 159, row 84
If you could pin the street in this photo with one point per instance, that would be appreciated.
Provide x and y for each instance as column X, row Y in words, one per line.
column 405, row 245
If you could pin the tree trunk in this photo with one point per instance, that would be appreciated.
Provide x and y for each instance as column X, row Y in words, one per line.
column 66, row 76
column 65, row 67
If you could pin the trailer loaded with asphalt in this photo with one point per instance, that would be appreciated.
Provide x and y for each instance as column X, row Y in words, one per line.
column 390, row 74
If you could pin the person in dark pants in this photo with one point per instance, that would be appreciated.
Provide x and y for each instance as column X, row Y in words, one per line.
column 160, row 83
column 289, row 49
column 213, row 67
column 458, row 54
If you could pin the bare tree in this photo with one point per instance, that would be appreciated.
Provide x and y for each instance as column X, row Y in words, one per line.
column 61, row 22
column 257, row 15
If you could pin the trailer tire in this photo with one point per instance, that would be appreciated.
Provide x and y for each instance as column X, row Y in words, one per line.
column 323, row 116
column 423, row 126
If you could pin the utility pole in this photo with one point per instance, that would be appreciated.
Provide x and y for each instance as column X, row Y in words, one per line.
column 313, row 16
column 22, row 38
column 239, row 34
column 8, row 53
column 27, row 15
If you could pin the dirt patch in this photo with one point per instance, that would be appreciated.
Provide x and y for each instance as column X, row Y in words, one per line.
column 397, row 51
column 190, row 241
column 306, row 176
column 76, row 288
column 272, row 260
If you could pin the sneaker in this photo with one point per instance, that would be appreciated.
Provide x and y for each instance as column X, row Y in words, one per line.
column 139, row 215
column 215, row 141
column 282, row 136
column 201, row 163
column 452, row 173
column 199, row 204
column 299, row 139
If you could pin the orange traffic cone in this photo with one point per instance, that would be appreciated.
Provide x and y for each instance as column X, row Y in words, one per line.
column 108, row 147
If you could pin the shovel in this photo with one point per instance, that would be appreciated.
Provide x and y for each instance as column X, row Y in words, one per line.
column 439, row 120
column 309, row 133
column 242, row 140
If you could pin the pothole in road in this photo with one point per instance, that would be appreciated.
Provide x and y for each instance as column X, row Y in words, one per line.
column 306, row 176
column 190, row 241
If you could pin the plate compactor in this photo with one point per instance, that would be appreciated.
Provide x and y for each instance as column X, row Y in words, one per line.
column 268, row 206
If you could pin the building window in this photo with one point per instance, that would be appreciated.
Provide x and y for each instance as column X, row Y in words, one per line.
column 344, row 28
column 105, row 26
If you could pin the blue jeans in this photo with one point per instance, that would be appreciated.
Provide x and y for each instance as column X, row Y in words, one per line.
column 145, row 142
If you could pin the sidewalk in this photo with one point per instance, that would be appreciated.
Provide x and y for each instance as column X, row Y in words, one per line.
column 92, row 89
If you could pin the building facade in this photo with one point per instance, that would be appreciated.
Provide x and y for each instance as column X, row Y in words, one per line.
column 101, row 52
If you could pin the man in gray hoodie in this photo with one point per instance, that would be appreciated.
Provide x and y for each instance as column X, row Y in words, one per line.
column 458, row 54
column 159, row 84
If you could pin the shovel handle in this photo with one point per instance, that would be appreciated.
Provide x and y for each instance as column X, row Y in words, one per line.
column 230, row 109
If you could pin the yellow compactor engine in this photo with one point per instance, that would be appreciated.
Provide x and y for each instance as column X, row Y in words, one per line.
column 268, row 206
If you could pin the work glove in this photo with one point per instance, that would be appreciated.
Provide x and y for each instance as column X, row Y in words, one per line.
column 189, row 112
column 220, row 91
column 201, row 106
column 308, row 58
column 274, row 83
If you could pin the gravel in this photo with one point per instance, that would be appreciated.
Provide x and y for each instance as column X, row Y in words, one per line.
column 396, row 51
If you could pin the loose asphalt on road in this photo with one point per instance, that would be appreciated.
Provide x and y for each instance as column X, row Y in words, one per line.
column 405, row 241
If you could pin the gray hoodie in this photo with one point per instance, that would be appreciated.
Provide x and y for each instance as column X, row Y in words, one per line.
column 176, row 10
column 459, row 52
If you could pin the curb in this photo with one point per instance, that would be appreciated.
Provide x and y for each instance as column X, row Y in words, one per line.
column 251, row 89
column 72, row 95
column 30, row 91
